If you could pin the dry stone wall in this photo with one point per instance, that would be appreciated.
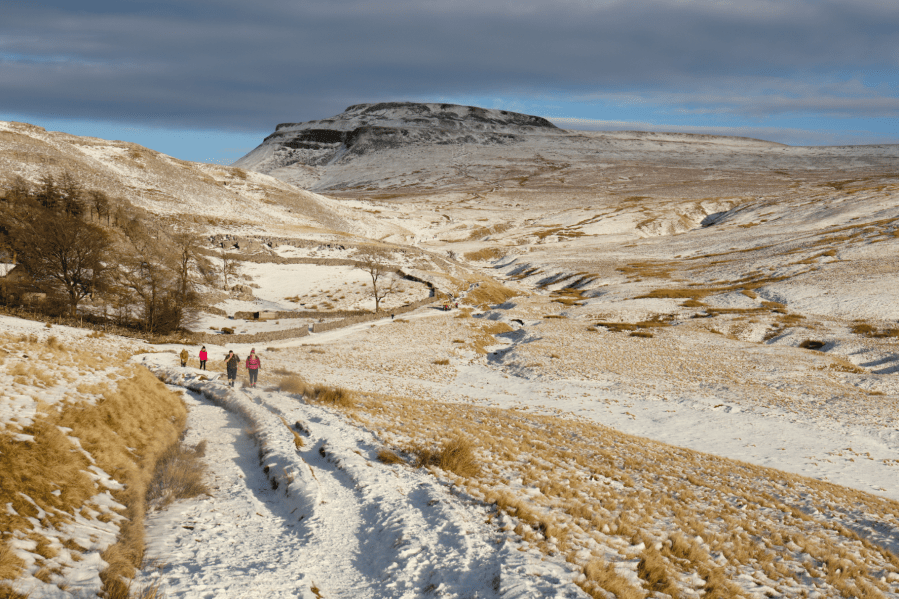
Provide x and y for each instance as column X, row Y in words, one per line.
column 321, row 327
column 220, row 339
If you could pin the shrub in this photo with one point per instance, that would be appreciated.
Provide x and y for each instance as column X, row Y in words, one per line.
column 455, row 455
column 811, row 344
column 386, row 456
column 443, row 362
column 179, row 475
column 294, row 384
column 335, row 396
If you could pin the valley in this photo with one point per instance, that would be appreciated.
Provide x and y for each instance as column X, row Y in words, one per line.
column 672, row 367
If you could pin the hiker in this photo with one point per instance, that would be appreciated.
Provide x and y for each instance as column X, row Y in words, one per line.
column 203, row 357
column 184, row 357
column 253, row 365
column 232, row 360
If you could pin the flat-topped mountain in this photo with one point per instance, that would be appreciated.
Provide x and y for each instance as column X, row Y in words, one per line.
column 401, row 146
column 364, row 129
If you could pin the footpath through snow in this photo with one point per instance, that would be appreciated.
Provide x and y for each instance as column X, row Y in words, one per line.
column 325, row 519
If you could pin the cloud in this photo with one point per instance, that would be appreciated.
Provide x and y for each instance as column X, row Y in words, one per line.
column 235, row 65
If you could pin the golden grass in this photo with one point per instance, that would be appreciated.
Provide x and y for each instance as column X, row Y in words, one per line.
column 601, row 579
column 488, row 293
column 443, row 362
column 179, row 474
column 292, row 383
column 863, row 328
column 387, row 456
column 8, row 592
column 484, row 254
column 129, row 423
column 333, row 396
column 579, row 484
column 453, row 455
column 10, row 564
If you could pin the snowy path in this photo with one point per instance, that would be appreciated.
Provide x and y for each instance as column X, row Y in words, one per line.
column 339, row 520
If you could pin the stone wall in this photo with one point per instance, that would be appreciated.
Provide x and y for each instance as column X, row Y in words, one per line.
column 321, row 327
column 203, row 338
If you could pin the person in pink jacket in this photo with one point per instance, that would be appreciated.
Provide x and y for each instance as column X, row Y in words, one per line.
column 253, row 365
column 203, row 357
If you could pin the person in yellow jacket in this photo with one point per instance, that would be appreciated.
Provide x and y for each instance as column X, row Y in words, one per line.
column 184, row 357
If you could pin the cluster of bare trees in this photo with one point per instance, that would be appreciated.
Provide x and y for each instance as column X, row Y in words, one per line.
column 134, row 271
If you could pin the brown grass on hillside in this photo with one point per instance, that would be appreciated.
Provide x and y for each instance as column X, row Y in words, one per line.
column 488, row 293
column 125, row 428
column 454, row 455
column 141, row 414
column 592, row 494
column 10, row 564
column 863, row 328
column 484, row 254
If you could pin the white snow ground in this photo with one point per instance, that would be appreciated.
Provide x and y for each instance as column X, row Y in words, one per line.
column 338, row 521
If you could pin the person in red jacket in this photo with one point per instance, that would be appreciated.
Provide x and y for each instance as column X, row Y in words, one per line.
column 253, row 365
column 203, row 357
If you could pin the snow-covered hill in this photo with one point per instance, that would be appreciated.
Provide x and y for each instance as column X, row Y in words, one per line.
column 407, row 147
column 205, row 197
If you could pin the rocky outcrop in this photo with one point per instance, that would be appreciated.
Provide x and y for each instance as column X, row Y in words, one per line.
column 363, row 129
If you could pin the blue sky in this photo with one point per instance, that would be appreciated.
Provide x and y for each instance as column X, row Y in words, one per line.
column 206, row 80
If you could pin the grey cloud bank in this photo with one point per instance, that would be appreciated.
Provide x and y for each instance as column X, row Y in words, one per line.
column 237, row 66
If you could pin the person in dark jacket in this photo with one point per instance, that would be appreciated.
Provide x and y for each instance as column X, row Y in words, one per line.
column 232, row 361
column 253, row 365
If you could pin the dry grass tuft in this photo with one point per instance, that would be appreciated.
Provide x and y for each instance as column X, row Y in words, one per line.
column 10, row 564
column 812, row 344
column 603, row 579
column 843, row 365
column 488, row 292
column 868, row 330
column 455, row 455
column 298, row 441
column 179, row 474
column 8, row 592
column 335, row 396
column 386, row 456
column 483, row 254
column 443, row 362
column 654, row 570
column 295, row 384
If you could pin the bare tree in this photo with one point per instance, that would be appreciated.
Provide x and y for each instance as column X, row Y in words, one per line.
column 20, row 190
column 228, row 267
column 58, row 250
column 147, row 276
column 72, row 194
column 99, row 201
column 375, row 261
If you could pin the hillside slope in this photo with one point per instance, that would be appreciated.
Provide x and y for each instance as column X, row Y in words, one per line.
column 202, row 196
